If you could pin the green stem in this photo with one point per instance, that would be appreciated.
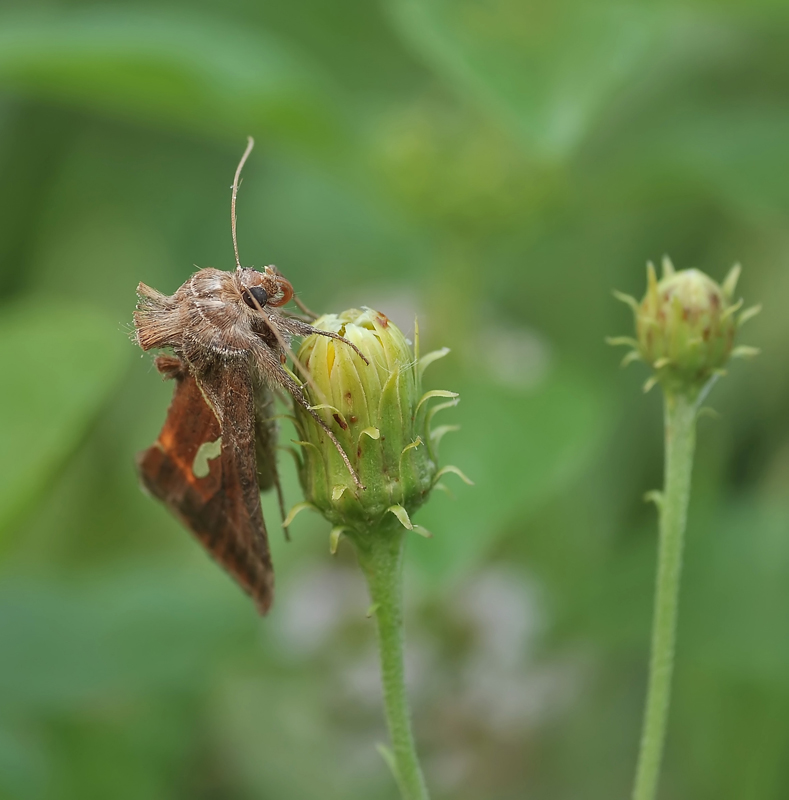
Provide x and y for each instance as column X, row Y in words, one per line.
column 680, row 421
column 380, row 555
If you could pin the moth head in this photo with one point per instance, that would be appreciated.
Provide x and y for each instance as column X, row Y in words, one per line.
column 261, row 289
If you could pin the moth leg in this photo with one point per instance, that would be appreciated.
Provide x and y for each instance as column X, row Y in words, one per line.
column 293, row 315
column 171, row 367
column 266, row 454
column 265, row 448
column 302, row 401
column 271, row 371
column 304, row 309
column 283, row 396
column 281, row 500
column 299, row 328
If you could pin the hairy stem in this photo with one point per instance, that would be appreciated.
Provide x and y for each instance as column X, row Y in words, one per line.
column 380, row 556
column 680, row 422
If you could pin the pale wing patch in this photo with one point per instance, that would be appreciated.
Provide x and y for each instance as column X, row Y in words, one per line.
column 206, row 451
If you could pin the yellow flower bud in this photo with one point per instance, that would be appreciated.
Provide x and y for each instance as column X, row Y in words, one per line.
column 380, row 417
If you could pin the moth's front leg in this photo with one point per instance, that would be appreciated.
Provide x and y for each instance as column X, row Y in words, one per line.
column 298, row 328
column 304, row 309
column 271, row 372
column 171, row 367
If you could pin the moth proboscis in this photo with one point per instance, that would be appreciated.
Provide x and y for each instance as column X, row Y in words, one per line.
column 229, row 340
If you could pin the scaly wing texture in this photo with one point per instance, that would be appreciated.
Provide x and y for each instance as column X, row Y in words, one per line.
column 213, row 491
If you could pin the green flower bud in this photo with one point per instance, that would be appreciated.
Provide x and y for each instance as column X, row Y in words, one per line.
column 685, row 327
column 379, row 415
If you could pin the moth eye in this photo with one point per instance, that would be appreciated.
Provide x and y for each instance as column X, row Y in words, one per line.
column 255, row 296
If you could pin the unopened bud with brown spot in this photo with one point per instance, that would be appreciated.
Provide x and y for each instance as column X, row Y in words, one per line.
column 686, row 326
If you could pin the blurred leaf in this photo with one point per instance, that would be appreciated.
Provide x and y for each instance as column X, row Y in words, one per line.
column 353, row 41
column 274, row 740
column 747, row 166
column 59, row 364
column 111, row 639
column 736, row 594
column 735, row 589
column 519, row 447
column 23, row 770
column 126, row 751
column 196, row 73
column 547, row 70
column 354, row 238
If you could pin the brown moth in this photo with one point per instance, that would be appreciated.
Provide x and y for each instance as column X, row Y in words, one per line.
column 229, row 338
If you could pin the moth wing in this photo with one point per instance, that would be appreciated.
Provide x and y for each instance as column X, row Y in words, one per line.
column 203, row 467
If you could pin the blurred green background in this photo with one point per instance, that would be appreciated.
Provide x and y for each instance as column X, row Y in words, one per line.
column 495, row 167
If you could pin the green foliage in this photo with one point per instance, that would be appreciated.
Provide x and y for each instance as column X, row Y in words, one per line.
column 494, row 169
column 59, row 366
column 501, row 432
column 192, row 74
column 546, row 70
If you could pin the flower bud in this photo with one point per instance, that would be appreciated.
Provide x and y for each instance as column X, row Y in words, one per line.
column 685, row 327
column 380, row 417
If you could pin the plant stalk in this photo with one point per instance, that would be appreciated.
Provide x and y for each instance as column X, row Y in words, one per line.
column 680, row 425
column 380, row 556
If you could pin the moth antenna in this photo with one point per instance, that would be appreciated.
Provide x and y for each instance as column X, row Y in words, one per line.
column 236, row 180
